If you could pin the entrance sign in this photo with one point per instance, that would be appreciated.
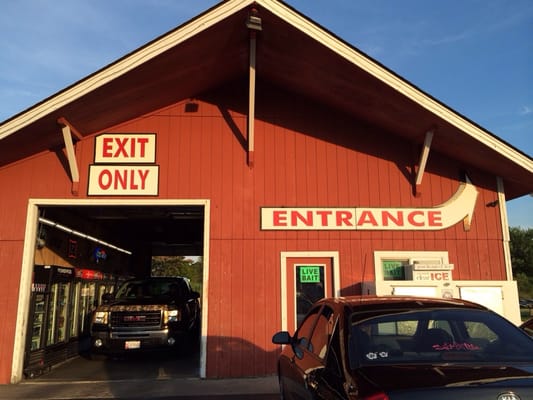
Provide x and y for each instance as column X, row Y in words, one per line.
column 124, row 165
column 460, row 207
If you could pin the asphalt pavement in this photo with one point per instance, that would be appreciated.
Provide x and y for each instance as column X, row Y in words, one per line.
column 156, row 375
column 262, row 388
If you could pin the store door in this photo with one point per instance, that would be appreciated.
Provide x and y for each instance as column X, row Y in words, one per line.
column 307, row 280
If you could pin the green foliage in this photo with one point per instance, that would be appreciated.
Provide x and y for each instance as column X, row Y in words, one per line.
column 179, row 266
column 522, row 260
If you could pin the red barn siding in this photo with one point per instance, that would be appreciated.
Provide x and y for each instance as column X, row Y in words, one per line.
column 304, row 156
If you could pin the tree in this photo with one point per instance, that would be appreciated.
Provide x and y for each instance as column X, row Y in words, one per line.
column 179, row 266
column 522, row 259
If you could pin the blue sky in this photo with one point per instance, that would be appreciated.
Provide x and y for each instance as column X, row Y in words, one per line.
column 476, row 56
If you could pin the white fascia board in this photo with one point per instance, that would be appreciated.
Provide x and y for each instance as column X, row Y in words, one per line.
column 124, row 65
column 381, row 73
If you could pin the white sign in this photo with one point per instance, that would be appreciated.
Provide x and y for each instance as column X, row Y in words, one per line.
column 424, row 291
column 125, row 148
column 124, row 164
column 432, row 275
column 460, row 207
column 490, row 296
column 124, row 180
column 433, row 267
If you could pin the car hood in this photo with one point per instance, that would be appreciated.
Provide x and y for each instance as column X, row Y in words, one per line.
column 452, row 376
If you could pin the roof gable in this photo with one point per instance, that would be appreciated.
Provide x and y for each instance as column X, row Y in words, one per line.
column 294, row 52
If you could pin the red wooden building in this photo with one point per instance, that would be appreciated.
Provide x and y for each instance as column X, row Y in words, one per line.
column 291, row 162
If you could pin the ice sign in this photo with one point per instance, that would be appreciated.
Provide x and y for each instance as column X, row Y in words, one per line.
column 309, row 274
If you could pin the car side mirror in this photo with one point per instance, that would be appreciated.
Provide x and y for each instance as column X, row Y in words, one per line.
column 282, row 338
column 195, row 295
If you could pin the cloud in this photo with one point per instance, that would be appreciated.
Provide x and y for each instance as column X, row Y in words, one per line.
column 525, row 110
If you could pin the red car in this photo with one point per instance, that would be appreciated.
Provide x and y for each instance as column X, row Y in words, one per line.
column 395, row 348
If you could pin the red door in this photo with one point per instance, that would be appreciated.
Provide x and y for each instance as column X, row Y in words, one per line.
column 308, row 279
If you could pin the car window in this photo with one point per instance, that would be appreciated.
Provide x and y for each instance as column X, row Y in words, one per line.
column 177, row 288
column 528, row 327
column 478, row 330
column 322, row 333
column 303, row 333
column 438, row 335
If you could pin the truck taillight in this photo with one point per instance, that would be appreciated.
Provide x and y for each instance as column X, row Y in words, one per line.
column 377, row 396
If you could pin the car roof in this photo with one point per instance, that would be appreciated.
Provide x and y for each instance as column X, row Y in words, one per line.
column 412, row 302
column 158, row 278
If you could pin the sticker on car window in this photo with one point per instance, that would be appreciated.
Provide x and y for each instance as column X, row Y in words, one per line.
column 373, row 355
column 456, row 346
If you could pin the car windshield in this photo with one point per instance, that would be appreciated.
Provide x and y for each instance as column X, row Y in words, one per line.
column 140, row 289
column 436, row 336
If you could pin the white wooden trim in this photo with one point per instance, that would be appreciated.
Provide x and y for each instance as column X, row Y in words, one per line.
column 334, row 255
column 32, row 217
column 26, row 274
column 225, row 9
column 71, row 154
column 124, row 65
column 424, row 157
column 505, row 229
column 373, row 68
column 379, row 256
column 251, row 93
column 205, row 290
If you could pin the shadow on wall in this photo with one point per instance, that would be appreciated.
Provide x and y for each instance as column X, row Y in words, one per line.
column 237, row 357
column 227, row 357
column 353, row 290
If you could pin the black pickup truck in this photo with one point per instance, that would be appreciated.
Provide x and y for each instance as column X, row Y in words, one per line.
column 146, row 313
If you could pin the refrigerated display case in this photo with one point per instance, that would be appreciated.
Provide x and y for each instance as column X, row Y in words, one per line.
column 48, row 336
column 62, row 302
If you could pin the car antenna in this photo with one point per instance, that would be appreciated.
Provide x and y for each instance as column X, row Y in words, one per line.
column 363, row 277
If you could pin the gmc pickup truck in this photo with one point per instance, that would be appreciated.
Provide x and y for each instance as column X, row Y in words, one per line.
column 146, row 314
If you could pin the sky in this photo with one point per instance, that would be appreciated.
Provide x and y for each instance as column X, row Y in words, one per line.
column 475, row 56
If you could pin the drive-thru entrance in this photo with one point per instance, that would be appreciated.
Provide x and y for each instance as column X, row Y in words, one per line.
column 82, row 251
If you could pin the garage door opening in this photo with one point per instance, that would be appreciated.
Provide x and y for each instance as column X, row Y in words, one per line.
column 82, row 253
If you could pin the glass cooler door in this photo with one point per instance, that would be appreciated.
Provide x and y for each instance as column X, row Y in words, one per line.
column 38, row 320
column 62, row 311
column 52, row 315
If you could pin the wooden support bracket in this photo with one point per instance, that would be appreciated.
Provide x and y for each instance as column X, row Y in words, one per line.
column 254, row 25
column 423, row 161
column 68, row 131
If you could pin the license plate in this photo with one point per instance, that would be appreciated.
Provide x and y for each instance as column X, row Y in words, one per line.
column 132, row 344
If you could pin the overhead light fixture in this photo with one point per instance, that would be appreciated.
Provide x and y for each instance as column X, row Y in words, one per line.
column 254, row 21
column 82, row 235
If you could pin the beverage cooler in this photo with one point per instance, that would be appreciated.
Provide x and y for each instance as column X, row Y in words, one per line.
column 49, row 322
column 62, row 301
